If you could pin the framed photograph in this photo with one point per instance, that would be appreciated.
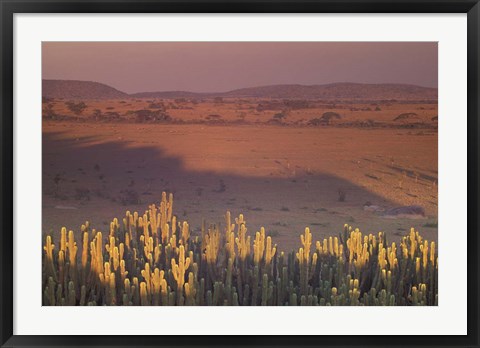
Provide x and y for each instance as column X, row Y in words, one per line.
column 290, row 174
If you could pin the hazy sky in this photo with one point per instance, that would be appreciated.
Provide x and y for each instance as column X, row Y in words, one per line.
column 222, row 66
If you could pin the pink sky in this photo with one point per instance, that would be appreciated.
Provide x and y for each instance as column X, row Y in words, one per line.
column 221, row 66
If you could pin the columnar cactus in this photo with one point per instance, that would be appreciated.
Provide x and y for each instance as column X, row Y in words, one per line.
column 151, row 259
column 48, row 259
column 179, row 270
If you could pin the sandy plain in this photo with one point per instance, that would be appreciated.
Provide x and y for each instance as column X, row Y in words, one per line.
column 281, row 175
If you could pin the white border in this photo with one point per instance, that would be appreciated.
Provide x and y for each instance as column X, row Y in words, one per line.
column 448, row 318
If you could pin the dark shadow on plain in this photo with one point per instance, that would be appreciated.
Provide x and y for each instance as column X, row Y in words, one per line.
column 97, row 181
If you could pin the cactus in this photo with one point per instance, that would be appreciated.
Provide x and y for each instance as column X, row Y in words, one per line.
column 151, row 259
column 269, row 252
column 265, row 290
column 143, row 294
column 190, row 290
column 185, row 232
column 259, row 246
column 83, row 294
column 49, row 293
column 48, row 260
column 156, row 280
column 179, row 270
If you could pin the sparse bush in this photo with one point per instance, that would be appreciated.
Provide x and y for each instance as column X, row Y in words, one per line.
column 129, row 197
column 82, row 194
column 213, row 117
column 57, row 179
column 111, row 116
column 342, row 195
column 276, row 121
column 97, row 114
column 327, row 117
column 48, row 112
column 221, row 187
column 152, row 259
column 316, row 122
column 280, row 115
column 147, row 115
column 406, row 116
column 155, row 105
column 76, row 108
column 296, row 104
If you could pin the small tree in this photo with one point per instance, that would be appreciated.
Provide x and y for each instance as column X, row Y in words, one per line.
column 48, row 111
column 280, row 115
column 328, row 116
column 76, row 108
column 97, row 114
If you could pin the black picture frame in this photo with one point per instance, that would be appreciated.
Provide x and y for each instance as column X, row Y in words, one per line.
column 10, row 7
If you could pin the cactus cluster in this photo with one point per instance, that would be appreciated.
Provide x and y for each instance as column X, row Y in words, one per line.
column 152, row 259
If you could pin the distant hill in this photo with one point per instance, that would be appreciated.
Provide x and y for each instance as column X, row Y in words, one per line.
column 173, row 94
column 330, row 91
column 340, row 91
column 71, row 89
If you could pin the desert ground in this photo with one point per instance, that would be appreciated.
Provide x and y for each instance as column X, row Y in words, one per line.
column 263, row 158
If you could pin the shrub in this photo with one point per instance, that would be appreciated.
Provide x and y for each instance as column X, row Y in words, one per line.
column 48, row 111
column 342, row 195
column 155, row 105
column 152, row 259
column 327, row 117
column 82, row 194
column 213, row 117
column 111, row 116
column 280, row 115
column 316, row 122
column 406, row 116
column 76, row 108
column 129, row 197
column 97, row 114
column 147, row 115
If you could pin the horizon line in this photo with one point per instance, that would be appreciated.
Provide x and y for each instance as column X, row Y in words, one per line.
column 240, row 88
